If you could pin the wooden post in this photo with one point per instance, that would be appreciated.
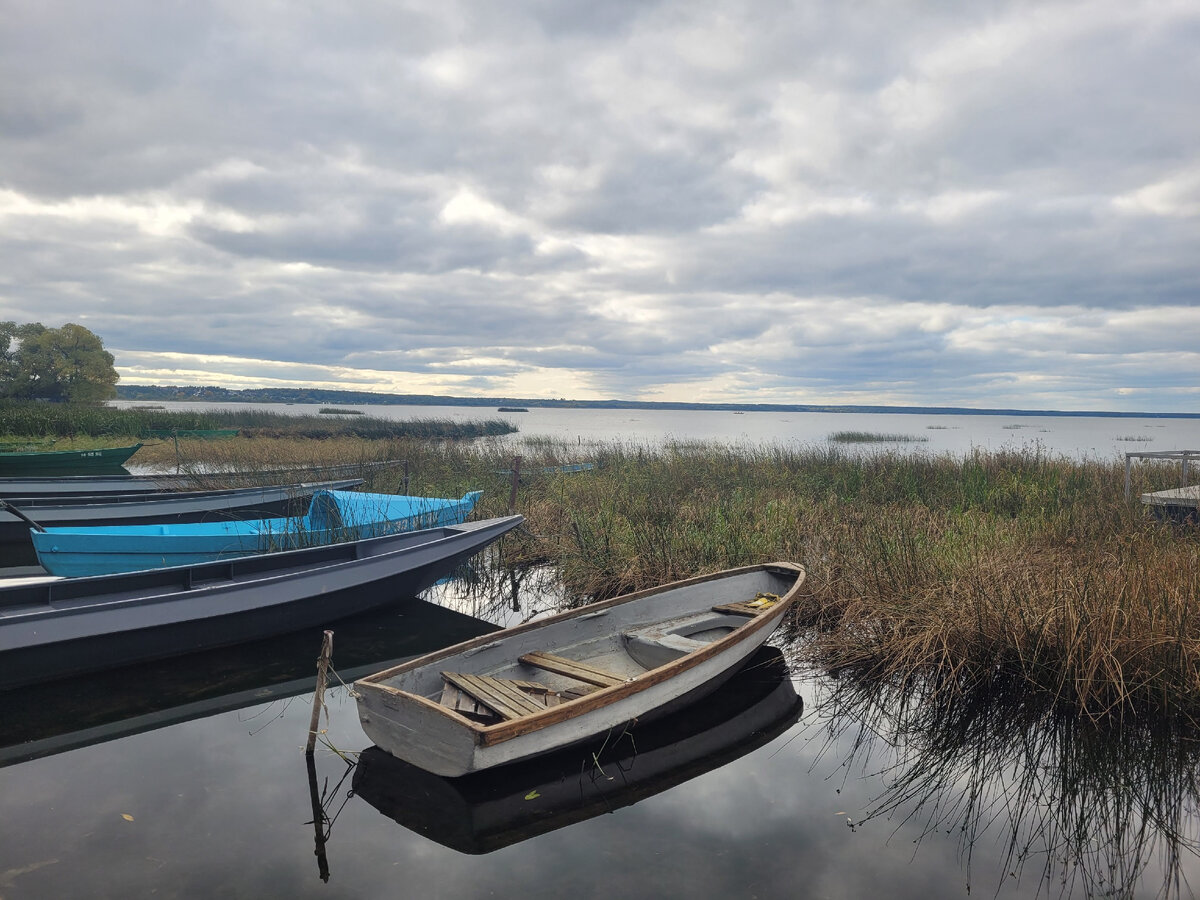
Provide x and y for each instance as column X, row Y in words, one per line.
column 319, row 693
column 1183, row 475
column 1128, row 484
column 405, row 491
column 516, row 478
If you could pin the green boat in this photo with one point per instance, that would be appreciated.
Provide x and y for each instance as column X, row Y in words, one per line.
column 65, row 462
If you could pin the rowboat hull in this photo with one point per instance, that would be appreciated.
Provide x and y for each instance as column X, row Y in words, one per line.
column 63, row 627
column 107, row 549
column 667, row 644
column 16, row 545
column 65, row 461
column 486, row 811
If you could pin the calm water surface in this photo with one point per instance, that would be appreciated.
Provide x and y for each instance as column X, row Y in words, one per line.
column 1076, row 436
column 188, row 779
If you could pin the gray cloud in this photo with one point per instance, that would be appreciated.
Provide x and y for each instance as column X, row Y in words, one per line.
column 983, row 204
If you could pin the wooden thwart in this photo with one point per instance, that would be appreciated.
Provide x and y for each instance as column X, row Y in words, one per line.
column 507, row 698
column 572, row 668
column 744, row 608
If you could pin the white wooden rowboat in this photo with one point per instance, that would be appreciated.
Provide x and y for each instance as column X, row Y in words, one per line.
column 568, row 678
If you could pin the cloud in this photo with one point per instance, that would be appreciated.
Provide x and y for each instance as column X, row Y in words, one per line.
column 993, row 207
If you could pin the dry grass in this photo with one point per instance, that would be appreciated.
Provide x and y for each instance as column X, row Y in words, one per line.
column 961, row 571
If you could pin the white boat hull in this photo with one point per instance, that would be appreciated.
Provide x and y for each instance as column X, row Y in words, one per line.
column 400, row 712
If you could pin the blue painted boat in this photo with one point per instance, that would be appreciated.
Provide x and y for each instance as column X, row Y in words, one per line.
column 332, row 517
column 58, row 627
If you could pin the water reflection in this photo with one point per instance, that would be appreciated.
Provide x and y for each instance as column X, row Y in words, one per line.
column 489, row 810
column 1079, row 808
column 53, row 717
column 223, row 803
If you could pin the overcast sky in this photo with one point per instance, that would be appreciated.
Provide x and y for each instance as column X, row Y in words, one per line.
column 986, row 204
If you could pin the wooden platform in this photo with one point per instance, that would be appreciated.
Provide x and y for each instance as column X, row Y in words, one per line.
column 1177, row 503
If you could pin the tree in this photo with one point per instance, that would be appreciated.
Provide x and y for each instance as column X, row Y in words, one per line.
column 68, row 363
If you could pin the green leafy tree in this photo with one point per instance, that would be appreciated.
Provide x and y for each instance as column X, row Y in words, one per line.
column 68, row 363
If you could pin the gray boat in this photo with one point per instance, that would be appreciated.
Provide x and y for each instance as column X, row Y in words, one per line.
column 94, row 487
column 554, row 682
column 16, row 548
column 55, row 628
column 488, row 810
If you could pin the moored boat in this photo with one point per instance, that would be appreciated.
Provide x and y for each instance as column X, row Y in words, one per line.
column 488, row 810
column 55, row 628
column 16, row 545
column 558, row 681
column 332, row 517
column 95, row 485
column 65, row 461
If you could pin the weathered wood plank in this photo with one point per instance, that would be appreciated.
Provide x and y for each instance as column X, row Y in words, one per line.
column 759, row 604
column 503, row 697
column 572, row 668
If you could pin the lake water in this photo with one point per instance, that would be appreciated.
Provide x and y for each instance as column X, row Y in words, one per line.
column 187, row 779
column 1076, row 436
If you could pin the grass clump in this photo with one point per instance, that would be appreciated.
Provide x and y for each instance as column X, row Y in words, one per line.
column 874, row 437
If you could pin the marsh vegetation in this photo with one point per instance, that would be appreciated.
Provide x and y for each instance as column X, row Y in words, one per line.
column 958, row 573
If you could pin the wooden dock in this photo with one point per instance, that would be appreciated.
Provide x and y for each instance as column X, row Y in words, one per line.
column 1181, row 503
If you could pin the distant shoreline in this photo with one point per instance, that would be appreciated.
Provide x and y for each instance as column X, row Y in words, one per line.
column 202, row 394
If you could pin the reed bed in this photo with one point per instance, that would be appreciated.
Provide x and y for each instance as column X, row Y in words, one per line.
column 75, row 421
column 874, row 437
column 961, row 570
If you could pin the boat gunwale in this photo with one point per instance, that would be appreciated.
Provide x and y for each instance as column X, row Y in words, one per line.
column 490, row 735
column 53, row 503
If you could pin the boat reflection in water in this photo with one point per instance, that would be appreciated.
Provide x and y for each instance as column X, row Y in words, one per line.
column 44, row 719
column 488, row 810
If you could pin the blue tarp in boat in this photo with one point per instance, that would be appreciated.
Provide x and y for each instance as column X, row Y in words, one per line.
column 332, row 517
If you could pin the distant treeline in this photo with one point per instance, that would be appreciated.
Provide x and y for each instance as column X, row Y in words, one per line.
column 199, row 393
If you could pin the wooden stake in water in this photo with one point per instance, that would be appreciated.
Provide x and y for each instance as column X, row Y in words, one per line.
column 319, row 693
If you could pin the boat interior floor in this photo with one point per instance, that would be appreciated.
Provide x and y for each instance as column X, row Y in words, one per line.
column 540, row 679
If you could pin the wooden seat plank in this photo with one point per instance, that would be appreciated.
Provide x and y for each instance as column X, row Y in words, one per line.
column 504, row 697
column 572, row 668
column 746, row 607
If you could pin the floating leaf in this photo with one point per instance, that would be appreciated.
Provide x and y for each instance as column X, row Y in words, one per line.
column 127, row 817
column 532, row 795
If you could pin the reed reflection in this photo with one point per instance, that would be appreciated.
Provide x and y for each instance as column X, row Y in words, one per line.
column 1085, row 808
